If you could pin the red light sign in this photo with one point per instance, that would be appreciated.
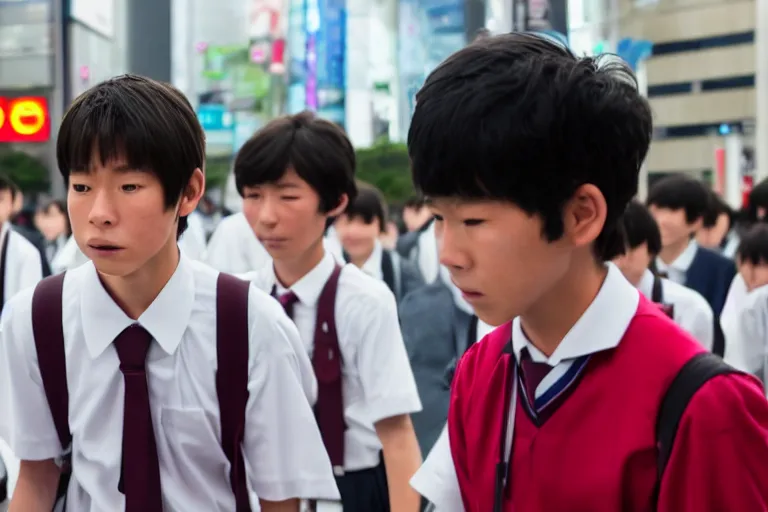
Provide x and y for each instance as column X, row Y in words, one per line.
column 24, row 119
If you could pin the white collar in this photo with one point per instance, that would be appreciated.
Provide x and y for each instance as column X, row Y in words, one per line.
column 166, row 319
column 683, row 262
column 309, row 287
column 372, row 265
column 601, row 327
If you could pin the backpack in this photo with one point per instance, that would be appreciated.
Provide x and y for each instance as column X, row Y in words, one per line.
column 231, row 375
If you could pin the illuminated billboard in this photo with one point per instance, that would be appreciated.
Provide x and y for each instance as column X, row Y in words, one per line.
column 24, row 119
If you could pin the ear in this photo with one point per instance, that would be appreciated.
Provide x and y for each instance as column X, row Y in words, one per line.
column 192, row 193
column 584, row 216
column 342, row 206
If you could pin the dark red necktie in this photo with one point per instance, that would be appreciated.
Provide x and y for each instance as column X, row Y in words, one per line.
column 533, row 374
column 287, row 300
column 140, row 477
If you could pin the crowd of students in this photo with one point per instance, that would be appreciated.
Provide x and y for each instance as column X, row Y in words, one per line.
column 543, row 339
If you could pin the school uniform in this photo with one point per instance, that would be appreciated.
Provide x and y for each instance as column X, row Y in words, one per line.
column 401, row 276
column 282, row 448
column 748, row 343
column 234, row 248
column 687, row 307
column 707, row 272
column 438, row 327
column 21, row 265
column 729, row 319
column 375, row 380
column 582, row 433
column 20, row 268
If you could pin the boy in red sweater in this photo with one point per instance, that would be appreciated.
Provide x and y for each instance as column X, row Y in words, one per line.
column 529, row 155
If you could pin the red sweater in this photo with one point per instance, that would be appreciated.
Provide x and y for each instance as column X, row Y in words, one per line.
column 597, row 452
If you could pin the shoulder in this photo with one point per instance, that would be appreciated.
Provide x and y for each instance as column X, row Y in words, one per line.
column 482, row 356
column 732, row 403
column 22, row 245
column 717, row 260
column 261, row 279
column 359, row 293
column 654, row 345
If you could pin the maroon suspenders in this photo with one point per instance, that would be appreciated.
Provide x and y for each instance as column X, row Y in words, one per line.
column 231, row 374
column 327, row 363
column 3, row 263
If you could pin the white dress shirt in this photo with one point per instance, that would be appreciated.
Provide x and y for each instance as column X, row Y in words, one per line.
column 601, row 327
column 234, row 248
column 377, row 379
column 747, row 347
column 691, row 311
column 283, row 452
column 23, row 266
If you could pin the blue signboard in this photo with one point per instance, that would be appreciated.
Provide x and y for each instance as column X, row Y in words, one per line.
column 214, row 117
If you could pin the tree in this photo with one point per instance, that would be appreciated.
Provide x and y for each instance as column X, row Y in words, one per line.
column 216, row 171
column 387, row 167
column 29, row 173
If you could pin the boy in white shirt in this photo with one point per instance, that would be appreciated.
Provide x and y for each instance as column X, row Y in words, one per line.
column 295, row 174
column 132, row 154
column 20, row 262
column 685, row 306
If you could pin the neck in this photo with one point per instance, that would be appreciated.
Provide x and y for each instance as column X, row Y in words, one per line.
column 548, row 321
column 360, row 259
column 134, row 293
column 669, row 253
column 290, row 271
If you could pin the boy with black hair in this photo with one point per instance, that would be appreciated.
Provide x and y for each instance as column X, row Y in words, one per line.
column 294, row 174
column 679, row 203
column 685, row 306
column 717, row 230
column 21, row 264
column 198, row 418
column 748, row 335
column 555, row 409
column 359, row 229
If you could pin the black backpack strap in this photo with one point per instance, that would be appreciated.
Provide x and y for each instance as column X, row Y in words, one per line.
column 232, row 343
column 48, row 331
column 657, row 294
column 388, row 272
column 691, row 377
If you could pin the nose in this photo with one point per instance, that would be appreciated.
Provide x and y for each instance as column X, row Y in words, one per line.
column 268, row 211
column 450, row 248
column 102, row 210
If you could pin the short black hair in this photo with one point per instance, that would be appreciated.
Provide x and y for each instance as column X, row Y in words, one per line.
column 369, row 206
column 640, row 228
column 715, row 208
column 680, row 192
column 753, row 247
column 758, row 198
column 318, row 150
column 519, row 118
column 148, row 123
column 7, row 184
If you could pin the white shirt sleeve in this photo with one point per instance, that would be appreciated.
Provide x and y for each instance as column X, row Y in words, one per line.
column 436, row 480
column 29, row 263
column 382, row 361
column 26, row 423
column 283, row 450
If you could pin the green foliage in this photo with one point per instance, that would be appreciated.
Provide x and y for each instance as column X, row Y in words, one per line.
column 29, row 173
column 216, row 172
column 387, row 167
